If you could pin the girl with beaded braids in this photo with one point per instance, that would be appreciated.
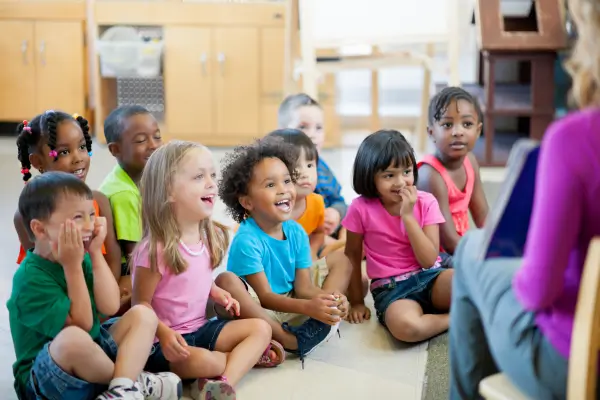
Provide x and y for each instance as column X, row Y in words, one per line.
column 57, row 141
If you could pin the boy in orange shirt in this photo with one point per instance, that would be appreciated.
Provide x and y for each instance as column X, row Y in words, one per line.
column 309, row 208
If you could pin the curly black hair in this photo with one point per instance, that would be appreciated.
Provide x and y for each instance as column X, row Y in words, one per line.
column 440, row 102
column 238, row 168
column 44, row 127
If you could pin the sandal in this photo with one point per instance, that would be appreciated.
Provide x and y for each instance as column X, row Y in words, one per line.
column 265, row 360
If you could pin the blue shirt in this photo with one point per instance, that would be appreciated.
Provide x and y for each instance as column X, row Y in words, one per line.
column 253, row 251
column 329, row 187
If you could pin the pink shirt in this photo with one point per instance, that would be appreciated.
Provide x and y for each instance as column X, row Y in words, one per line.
column 180, row 300
column 385, row 240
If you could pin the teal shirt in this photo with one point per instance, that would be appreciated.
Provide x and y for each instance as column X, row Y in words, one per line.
column 38, row 308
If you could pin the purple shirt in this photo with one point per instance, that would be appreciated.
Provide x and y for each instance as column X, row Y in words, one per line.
column 566, row 216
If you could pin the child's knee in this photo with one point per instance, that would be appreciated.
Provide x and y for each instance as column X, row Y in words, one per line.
column 229, row 281
column 70, row 343
column 407, row 331
column 140, row 315
column 261, row 328
column 339, row 262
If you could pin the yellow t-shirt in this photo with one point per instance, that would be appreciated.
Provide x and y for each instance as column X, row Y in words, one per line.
column 314, row 215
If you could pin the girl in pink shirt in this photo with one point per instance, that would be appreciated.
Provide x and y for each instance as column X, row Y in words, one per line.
column 452, row 173
column 398, row 226
column 173, row 266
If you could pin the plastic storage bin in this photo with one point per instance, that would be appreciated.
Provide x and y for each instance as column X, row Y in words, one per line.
column 124, row 54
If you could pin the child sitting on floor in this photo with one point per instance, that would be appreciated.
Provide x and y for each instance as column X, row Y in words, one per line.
column 399, row 228
column 271, row 252
column 452, row 173
column 309, row 208
column 300, row 111
column 57, row 141
column 62, row 350
column 173, row 266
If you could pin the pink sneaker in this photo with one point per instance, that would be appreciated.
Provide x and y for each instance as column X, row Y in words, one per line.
column 212, row 389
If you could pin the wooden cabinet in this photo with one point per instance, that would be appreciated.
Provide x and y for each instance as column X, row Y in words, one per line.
column 43, row 49
column 211, row 83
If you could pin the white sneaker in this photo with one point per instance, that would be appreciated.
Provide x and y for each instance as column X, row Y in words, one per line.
column 161, row 386
column 121, row 392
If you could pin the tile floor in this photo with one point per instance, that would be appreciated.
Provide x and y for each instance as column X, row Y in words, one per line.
column 366, row 362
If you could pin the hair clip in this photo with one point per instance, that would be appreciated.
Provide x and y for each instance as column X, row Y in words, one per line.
column 27, row 129
column 25, row 122
column 53, row 154
column 25, row 171
column 90, row 153
column 75, row 116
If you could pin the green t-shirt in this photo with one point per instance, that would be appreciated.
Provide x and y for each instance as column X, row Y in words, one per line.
column 125, row 202
column 38, row 308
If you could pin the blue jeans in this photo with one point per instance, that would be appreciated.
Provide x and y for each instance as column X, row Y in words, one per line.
column 205, row 337
column 48, row 381
column 491, row 332
column 418, row 288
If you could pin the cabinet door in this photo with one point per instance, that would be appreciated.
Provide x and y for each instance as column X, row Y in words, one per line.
column 188, row 74
column 60, row 66
column 237, row 80
column 17, row 74
column 271, row 70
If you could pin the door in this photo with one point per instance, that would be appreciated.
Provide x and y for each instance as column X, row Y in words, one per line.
column 60, row 66
column 17, row 74
column 271, row 69
column 237, row 78
column 188, row 74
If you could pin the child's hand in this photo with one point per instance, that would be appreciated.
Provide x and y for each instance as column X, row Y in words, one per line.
column 173, row 345
column 343, row 304
column 68, row 250
column 409, row 198
column 332, row 220
column 99, row 235
column 358, row 314
column 324, row 308
column 223, row 298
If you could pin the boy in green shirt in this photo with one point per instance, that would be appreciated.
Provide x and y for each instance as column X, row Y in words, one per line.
column 59, row 290
column 132, row 135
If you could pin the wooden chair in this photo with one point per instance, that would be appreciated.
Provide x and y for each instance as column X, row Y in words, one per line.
column 407, row 44
column 585, row 341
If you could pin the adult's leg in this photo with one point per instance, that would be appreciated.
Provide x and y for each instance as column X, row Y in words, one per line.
column 406, row 322
column 491, row 331
column 249, row 308
column 245, row 340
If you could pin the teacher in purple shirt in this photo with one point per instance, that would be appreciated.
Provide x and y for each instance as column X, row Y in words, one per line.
column 516, row 315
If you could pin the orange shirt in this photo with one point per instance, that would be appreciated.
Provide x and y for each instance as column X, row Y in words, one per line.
column 314, row 215
column 23, row 253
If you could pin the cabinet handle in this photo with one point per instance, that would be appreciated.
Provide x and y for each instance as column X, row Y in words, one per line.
column 24, row 46
column 203, row 59
column 221, row 59
column 43, row 52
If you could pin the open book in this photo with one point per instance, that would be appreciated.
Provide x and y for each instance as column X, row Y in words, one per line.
column 505, row 230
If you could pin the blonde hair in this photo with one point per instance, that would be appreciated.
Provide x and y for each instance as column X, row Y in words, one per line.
column 158, row 218
column 584, row 63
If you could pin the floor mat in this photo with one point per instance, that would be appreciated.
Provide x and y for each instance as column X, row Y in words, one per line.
column 437, row 371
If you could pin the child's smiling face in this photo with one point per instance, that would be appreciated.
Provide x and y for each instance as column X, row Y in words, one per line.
column 307, row 175
column 140, row 138
column 271, row 192
column 72, row 154
column 458, row 129
column 392, row 180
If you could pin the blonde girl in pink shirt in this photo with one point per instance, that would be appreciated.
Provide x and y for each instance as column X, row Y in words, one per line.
column 398, row 226
column 173, row 266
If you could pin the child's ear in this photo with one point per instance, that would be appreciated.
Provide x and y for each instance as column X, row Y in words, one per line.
column 479, row 127
column 115, row 149
column 430, row 132
column 38, row 229
column 246, row 203
column 36, row 161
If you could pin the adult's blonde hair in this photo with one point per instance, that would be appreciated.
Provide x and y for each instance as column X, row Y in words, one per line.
column 158, row 217
column 584, row 63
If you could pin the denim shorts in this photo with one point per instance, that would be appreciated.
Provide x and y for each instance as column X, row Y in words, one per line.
column 205, row 337
column 48, row 381
column 417, row 287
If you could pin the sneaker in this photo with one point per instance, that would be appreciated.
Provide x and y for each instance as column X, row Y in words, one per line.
column 162, row 386
column 310, row 335
column 122, row 392
column 212, row 389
